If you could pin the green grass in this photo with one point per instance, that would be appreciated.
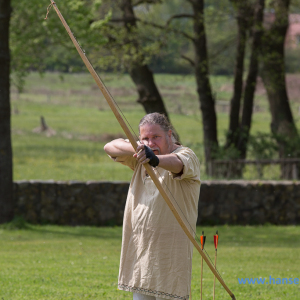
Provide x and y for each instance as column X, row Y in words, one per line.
column 75, row 108
column 55, row 262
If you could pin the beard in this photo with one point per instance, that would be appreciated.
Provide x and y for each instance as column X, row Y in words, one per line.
column 157, row 150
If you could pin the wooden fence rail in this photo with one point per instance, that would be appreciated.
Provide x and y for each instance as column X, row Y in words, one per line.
column 234, row 168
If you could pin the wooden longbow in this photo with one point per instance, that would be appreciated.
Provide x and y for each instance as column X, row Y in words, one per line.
column 133, row 142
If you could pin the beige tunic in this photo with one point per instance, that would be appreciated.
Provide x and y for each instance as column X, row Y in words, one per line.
column 156, row 256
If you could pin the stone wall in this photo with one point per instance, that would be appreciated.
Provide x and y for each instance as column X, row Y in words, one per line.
column 102, row 203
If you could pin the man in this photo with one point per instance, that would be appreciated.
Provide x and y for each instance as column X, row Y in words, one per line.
column 156, row 256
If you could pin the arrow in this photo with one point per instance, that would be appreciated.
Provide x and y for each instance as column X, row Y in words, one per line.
column 134, row 144
column 216, row 240
column 202, row 240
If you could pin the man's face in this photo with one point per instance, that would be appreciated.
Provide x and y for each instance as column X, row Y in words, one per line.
column 153, row 136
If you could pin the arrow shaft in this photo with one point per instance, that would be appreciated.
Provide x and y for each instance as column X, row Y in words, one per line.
column 201, row 278
column 132, row 140
column 215, row 276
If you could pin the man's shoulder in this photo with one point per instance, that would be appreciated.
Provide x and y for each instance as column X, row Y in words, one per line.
column 185, row 150
column 191, row 164
column 187, row 156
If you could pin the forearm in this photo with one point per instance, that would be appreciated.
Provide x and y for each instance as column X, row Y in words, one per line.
column 170, row 162
column 119, row 147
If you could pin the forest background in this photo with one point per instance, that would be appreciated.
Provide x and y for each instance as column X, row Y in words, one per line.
column 216, row 52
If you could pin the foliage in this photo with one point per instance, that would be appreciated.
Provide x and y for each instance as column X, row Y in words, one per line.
column 288, row 147
column 226, row 153
column 39, row 44
column 268, row 146
column 17, row 223
column 262, row 146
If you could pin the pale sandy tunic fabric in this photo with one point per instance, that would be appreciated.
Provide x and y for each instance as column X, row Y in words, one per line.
column 156, row 256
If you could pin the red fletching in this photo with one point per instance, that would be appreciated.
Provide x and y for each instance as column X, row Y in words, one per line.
column 216, row 238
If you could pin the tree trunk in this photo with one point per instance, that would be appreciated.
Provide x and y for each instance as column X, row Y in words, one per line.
column 206, row 99
column 139, row 72
column 234, row 116
column 251, row 79
column 149, row 95
column 273, row 71
column 273, row 75
column 6, row 185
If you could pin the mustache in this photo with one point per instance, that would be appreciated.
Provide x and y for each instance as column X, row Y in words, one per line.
column 155, row 149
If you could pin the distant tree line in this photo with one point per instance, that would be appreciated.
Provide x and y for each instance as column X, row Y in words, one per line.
column 142, row 37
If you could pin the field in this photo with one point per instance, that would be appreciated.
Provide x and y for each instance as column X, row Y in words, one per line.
column 55, row 262
column 81, row 122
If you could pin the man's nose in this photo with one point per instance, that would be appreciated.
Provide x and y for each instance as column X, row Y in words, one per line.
column 151, row 142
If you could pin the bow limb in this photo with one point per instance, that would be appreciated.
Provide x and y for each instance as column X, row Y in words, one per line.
column 132, row 140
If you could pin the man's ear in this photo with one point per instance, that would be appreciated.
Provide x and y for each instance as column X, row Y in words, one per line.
column 170, row 133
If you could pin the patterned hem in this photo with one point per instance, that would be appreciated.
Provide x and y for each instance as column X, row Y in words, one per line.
column 148, row 292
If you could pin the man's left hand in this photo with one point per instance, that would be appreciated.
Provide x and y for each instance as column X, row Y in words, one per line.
column 146, row 155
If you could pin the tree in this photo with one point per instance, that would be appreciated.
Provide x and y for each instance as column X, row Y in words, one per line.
column 249, row 21
column 273, row 75
column 206, row 99
column 139, row 71
column 6, row 185
column 251, row 79
column 243, row 15
column 273, row 71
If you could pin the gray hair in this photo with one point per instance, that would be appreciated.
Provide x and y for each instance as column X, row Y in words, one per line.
column 162, row 121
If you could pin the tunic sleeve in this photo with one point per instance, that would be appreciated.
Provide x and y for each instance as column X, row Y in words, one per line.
column 126, row 160
column 191, row 165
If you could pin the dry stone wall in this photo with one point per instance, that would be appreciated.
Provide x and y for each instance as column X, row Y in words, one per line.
column 102, row 203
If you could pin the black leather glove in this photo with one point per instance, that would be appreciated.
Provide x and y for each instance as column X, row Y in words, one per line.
column 154, row 161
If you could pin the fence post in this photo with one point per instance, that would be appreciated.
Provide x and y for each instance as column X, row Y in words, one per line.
column 209, row 164
column 294, row 171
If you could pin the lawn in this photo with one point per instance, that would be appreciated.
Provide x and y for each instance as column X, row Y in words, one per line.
column 82, row 122
column 55, row 262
